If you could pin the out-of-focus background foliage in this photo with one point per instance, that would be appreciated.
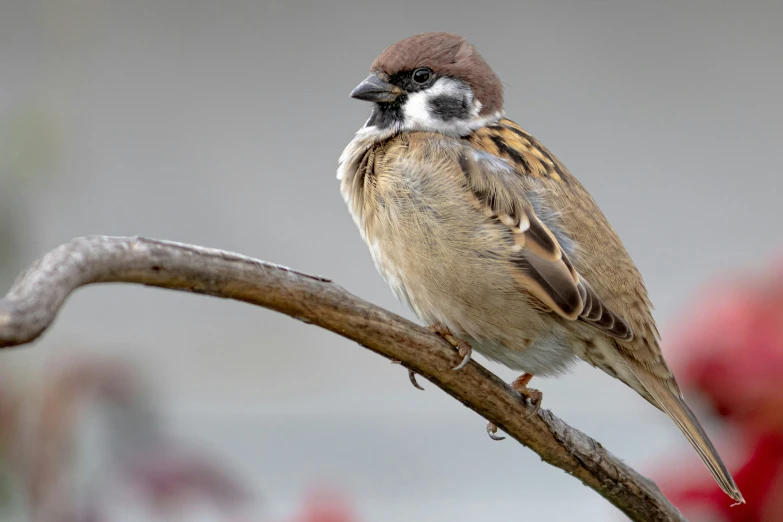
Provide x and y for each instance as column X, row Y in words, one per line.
column 220, row 123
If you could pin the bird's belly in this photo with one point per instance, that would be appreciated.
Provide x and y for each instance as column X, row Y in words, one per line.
column 443, row 262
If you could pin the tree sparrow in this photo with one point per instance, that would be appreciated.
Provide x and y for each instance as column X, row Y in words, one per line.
column 490, row 239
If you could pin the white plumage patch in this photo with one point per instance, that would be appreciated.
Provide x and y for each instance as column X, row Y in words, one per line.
column 418, row 113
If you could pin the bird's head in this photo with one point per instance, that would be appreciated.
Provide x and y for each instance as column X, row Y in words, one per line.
column 434, row 82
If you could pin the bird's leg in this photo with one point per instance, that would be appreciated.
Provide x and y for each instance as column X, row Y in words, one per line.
column 532, row 396
column 463, row 348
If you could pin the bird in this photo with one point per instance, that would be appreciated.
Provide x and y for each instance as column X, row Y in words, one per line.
column 490, row 240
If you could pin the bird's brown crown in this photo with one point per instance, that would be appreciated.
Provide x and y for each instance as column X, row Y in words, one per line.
column 446, row 54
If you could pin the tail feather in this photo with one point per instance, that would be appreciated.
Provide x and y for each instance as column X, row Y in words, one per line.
column 670, row 401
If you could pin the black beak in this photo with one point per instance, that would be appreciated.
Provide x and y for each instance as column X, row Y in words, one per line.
column 374, row 89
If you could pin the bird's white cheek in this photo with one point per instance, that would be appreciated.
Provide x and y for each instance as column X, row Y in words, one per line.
column 417, row 111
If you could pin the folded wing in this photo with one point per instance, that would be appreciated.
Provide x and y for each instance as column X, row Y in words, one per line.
column 540, row 264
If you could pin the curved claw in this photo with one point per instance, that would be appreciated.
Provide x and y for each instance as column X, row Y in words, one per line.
column 465, row 361
column 534, row 397
column 492, row 431
column 412, row 377
column 463, row 348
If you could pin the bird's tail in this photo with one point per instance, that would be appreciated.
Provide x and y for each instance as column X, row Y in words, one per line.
column 670, row 401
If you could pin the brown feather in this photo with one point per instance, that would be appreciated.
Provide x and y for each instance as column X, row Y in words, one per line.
column 542, row 243
column 602, row 263
column 666, row 396
column 550, row 283
column 544, row 269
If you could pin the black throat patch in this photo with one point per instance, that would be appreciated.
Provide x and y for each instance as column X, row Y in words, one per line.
column 384, row 115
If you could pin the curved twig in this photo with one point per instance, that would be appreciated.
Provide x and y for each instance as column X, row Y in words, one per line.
column 35, row 298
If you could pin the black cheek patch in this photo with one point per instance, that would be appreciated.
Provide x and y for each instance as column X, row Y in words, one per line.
column 449, row 108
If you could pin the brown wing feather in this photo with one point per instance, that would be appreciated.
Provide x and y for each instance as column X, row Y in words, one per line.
column 542, row 267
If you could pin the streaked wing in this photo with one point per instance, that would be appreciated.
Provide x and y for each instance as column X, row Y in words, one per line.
column 541, row 264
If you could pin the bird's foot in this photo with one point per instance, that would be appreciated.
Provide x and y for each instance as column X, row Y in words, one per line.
column 533, row 397
column 463, row 348
column 492, row 431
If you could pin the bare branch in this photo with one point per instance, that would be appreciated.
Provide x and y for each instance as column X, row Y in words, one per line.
column 35, row 298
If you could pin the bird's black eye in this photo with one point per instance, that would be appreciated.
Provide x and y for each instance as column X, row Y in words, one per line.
column 421, row 75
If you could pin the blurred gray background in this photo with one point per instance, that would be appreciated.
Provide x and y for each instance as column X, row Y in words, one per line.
column 220, row 123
